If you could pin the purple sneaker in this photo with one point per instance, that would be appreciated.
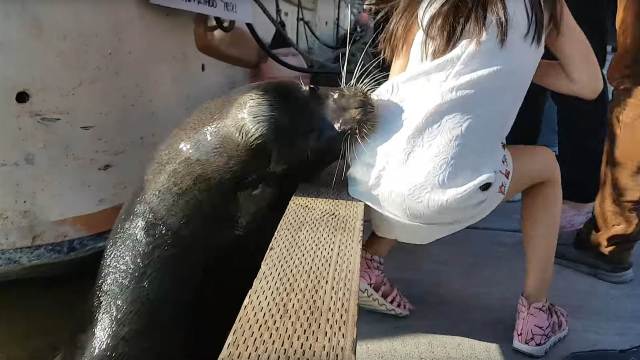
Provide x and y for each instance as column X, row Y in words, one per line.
column 539, row 326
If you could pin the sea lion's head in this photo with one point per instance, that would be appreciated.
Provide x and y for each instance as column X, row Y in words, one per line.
column 304, row 128
column 352, row 111
column 347, row 118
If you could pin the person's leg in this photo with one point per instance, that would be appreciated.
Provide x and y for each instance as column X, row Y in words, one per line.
column 378, row 245
column 376, row 292
column 526, row 127
column 611, row 21
column 618, row 203
column 582, row 128
column 582, row 125
column 603, row 247
column 528, row 123
column 581, row 134
column 536, row 174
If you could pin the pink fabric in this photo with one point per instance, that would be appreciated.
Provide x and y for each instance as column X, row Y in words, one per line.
column 574, row 215
column 537, row 323
column 270, row 70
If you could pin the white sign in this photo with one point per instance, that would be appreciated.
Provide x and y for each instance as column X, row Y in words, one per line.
column 239, row 10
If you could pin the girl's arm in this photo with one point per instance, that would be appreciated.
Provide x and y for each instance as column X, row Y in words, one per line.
column 236, row 47
column 577, row 72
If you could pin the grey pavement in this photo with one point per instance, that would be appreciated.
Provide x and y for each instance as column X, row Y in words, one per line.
column 465, row 288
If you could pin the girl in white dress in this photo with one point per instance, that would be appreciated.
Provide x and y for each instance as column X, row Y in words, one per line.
column 437, row 162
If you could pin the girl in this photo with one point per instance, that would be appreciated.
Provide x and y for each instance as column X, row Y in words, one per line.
column 437, row 162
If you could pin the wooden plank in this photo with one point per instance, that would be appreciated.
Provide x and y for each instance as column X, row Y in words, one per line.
column 303, row 303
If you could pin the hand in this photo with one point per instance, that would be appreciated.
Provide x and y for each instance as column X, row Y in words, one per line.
column 200, row 20
column 201, row 23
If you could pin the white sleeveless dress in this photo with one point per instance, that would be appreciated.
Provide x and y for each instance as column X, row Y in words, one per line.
column 437, row 162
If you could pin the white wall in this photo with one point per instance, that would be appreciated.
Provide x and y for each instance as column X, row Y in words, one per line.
column 108, row 80
column 323, row 20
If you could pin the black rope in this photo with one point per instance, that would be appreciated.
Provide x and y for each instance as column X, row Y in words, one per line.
column 301, row 16
column 332, row 47
column 278, row 11
column 277, row 59
column 224, row 27
column 338, row 22
column 274, row 57
column 302, row 19
column 298, row 26
column 274, row 22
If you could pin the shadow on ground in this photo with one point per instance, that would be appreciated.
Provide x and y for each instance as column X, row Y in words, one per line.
column 465, row 288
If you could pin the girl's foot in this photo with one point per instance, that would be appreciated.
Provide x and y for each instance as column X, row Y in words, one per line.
column 376, row 293
column 539, row 326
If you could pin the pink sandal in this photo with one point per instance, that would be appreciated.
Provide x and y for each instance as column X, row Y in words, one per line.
column 376, row 291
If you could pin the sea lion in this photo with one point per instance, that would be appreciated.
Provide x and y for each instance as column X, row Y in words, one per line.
column 186, row 249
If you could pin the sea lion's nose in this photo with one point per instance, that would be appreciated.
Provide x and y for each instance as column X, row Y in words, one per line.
column 341, row 125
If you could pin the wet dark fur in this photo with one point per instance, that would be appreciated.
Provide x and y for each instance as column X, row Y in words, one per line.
column 186, row 249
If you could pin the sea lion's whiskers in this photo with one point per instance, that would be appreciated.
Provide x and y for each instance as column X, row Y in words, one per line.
column 350, row 147
column 361, row 143
column 344, row 138
column 373, row 82
column 371, row 63
column 359, row 69
column 370, row 88
column 344, row 71
column 364, row 51
column 363, row 83
column 341, row 70
column 374, row 78
column 344, row 168
column 353, row 147
column 366, row 71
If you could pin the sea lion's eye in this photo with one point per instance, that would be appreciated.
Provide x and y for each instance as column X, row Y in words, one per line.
column 313, row 89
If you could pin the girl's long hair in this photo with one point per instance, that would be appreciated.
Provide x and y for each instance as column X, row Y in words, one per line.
column 451, row 19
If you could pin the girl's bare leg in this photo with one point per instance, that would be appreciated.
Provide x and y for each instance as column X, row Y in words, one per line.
column 536, row 174
column 378, row 245
column 376, row 291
